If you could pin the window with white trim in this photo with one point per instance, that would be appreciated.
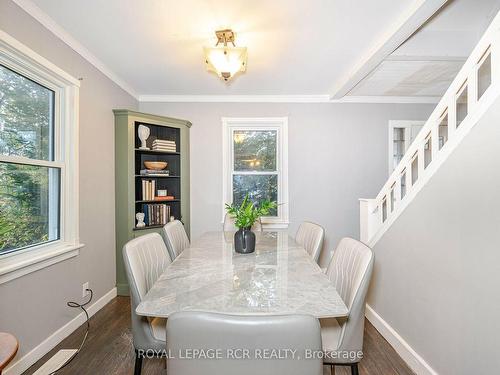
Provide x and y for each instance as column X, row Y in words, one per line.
column 38, row 158
column 256, row 163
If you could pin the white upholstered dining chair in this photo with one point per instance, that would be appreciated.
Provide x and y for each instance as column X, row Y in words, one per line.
column 350, row 270
column 145, row 258
column 176, row 238
column 210, row 331
column 311, row 236
column 229, row 225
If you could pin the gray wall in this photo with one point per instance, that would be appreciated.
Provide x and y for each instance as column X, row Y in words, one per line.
column 437, row 269
column 337, row 154
column 34, row 306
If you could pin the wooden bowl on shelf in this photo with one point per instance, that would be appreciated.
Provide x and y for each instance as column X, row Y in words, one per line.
column 155, row 165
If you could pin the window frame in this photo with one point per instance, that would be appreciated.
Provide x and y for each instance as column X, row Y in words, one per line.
column 24, row 61
column 280, row 125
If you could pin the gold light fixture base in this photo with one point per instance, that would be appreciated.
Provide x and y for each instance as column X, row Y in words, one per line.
column 225, row 36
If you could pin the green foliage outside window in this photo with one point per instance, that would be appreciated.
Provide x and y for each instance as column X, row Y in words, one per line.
column 26, row 127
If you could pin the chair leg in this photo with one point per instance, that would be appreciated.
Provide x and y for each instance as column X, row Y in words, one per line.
column 354, row 369
column 138, row 364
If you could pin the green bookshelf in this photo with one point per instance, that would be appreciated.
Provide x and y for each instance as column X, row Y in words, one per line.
column 129, row 161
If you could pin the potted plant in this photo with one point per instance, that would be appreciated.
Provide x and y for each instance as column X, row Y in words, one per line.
column 245, row 216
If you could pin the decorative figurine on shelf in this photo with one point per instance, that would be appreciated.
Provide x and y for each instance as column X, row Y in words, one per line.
column 245, row 216
column 143, row 133
column 140, row 220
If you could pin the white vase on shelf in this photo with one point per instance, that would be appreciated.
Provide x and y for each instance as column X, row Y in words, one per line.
column 143, row 133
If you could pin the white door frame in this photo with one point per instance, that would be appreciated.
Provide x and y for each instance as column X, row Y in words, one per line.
column 408, row 125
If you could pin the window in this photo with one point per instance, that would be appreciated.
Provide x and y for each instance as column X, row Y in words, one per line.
column 38, row 161
column 401, row 135
column 255, row 163
column 29, row 187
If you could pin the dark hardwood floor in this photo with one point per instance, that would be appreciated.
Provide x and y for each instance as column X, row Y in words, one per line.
column 109, row 350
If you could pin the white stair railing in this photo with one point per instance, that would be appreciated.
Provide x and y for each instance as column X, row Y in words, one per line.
column 471, row 93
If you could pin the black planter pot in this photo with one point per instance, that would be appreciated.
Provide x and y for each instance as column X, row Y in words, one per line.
column 244, row 241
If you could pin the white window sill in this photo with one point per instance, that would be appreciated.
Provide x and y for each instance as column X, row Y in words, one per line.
column 26, row 261
column 270, row 226
column 273, row 226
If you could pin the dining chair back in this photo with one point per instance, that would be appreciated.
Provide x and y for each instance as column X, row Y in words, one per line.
column 311, row 236
column 145, row 259
column 230, row 226
column 176, row 238
column 233, row 336
column 350, row 271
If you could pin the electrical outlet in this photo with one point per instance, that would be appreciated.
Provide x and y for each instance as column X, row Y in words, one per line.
column 85, row 292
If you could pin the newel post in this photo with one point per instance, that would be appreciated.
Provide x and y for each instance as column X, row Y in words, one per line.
column 365, row 219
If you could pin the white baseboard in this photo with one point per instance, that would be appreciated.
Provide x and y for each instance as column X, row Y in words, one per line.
column 405, row 351
column 25, row 362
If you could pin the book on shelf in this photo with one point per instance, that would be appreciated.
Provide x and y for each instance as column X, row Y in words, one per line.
column 166, row 198
column 147, row 172
column 164, row 149
column 156, row 214
column 148, row 190
column 163, row 142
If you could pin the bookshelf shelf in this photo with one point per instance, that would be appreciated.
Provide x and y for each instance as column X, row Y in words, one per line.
column 138, row 150
column 149, row 227
column 155, row 176
column 160, row 201
column 129, row 182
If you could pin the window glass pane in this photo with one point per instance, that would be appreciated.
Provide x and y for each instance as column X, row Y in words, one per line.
column 254, row 150
column 258, row 187
column 29, row 205
column 26, row 117
column 462, row 106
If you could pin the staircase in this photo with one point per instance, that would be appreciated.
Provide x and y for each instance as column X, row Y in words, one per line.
column 472, row 93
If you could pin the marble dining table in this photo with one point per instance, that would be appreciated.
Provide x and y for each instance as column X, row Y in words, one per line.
column 278, row 278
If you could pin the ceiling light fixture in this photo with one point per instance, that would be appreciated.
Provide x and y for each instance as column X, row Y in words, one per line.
column 225, row 60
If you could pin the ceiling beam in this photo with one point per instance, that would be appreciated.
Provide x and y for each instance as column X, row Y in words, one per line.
column 410, row 22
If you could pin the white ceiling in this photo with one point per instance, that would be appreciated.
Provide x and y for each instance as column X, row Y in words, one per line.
column 295, row 47
column 427, row 62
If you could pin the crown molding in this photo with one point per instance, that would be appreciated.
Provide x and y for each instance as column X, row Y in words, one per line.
column 388, row 99
column 286, row 99
column 34, row 11
column 235, row 98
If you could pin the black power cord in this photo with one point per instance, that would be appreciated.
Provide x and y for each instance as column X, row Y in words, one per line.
column 77, row 305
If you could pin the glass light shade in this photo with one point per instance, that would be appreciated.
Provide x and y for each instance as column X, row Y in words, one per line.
column 226, row 61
